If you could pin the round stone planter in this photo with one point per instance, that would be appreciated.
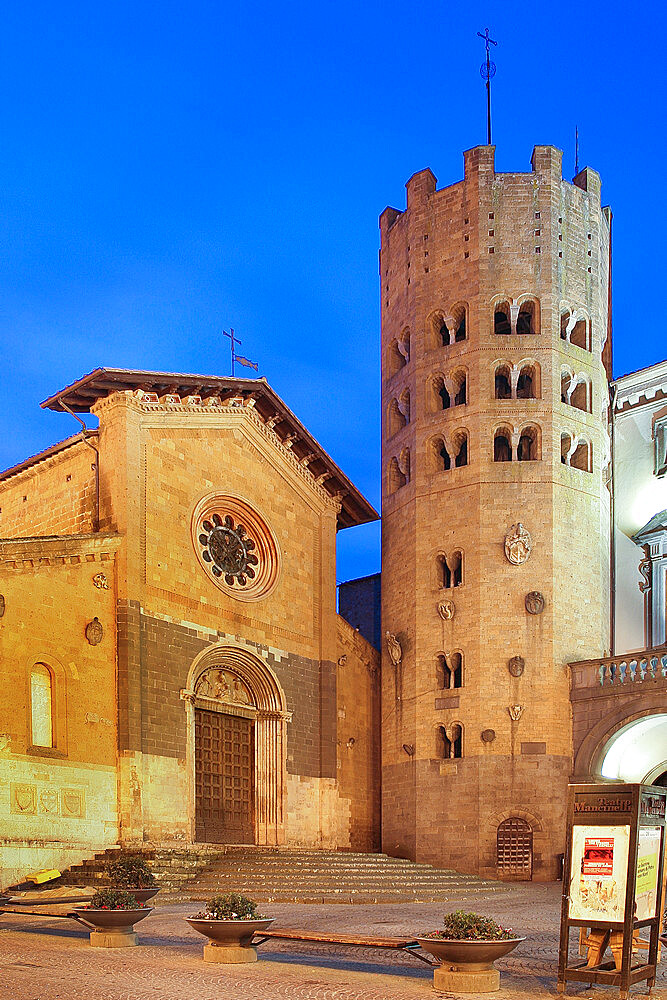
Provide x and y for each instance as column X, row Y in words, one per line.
column 230, row 940
column 467, row 966
column 112, row 928
column 143, row 895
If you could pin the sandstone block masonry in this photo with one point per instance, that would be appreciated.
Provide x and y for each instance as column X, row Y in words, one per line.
column 495, row 360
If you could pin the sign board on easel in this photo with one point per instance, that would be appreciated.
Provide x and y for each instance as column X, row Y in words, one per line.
column 611, row 881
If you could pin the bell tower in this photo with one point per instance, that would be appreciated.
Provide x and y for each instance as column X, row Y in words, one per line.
column 495, row 511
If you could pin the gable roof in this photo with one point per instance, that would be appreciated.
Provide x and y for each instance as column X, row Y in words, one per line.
column 82, row 395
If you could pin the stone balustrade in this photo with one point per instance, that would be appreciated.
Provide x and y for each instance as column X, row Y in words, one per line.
column 647, row 666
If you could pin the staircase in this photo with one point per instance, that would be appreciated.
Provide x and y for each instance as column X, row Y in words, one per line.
column 291, row 875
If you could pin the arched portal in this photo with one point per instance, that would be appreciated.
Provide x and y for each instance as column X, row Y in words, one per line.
column 236, row 748
column 514, row 849
column 637, row 751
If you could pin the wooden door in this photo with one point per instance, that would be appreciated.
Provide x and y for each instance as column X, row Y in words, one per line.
column 515, row 849
column 224, row 778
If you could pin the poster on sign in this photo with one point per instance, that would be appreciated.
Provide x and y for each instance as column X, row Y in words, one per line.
column 646, row 885
column 598, row 872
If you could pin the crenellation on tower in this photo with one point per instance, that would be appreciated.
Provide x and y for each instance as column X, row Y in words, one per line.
column 495, row 345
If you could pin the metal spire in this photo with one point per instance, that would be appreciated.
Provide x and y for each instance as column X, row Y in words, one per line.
column 488, row 71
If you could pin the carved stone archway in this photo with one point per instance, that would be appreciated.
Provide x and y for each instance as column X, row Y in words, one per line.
column 233, row 680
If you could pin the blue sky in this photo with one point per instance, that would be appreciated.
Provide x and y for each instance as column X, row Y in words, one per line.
column 171, row 170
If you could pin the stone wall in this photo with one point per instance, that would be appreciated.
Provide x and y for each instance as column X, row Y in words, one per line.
column 54, row 495
column 359, row 602
column 58, row 804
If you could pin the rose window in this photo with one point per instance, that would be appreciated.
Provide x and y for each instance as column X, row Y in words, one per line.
column 235, row 546
column 227, row 547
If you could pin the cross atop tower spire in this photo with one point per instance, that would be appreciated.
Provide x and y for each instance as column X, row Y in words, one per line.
column 488, row 71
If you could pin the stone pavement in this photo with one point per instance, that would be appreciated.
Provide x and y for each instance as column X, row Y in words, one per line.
column 51, row 960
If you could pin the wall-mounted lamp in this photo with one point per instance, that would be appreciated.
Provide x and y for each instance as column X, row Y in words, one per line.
column 409, row 749
column 350, row 743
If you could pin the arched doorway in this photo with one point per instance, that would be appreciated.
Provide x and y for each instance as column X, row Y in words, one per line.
column 237, row 746
column 637, row 751
column 514, row 849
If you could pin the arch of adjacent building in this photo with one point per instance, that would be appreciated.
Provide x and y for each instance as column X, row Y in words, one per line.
column 264, row 704
column 626, row 745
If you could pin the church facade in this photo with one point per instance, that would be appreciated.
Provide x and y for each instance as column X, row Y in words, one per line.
column 175, row 670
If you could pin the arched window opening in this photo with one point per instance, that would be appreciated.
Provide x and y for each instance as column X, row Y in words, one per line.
column 455, row 563
column 445, row 401
column 443, row 673
column 460, row 398
column 444, row 573
column 527, row 319
column 565, row 445
column 396, row 418
column 501, row 319
column 397, row 359
column 502, row 447
column 445, row 337
column 514, row 849
column 579, row 336
column 503, row 383
column 461, row 444
column 528, row 450
column 457, row 741
column 404, row 345
column 581, row 397
column 41, row 705
column 404, row 404
column 445, row 460
column 456, row 672
column 525, row 386
column 397, row 478
column 582, row 457
column 564, row 320
column 443, row 747
column 459, row 324
column 565, row 380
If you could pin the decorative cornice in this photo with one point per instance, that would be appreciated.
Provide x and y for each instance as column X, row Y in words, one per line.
column 54, row 550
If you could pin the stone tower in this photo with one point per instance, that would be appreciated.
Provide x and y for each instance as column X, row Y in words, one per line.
column 495, row 572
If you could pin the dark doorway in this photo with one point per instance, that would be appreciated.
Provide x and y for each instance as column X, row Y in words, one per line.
column 224, row 778
column 514, row 846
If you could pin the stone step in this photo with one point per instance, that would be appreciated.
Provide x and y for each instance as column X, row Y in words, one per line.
column 290, row 875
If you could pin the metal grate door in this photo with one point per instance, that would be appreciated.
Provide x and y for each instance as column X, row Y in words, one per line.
column 224, row 778
column 515, row 849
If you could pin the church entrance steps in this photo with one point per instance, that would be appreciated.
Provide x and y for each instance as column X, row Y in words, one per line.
column 288, row 875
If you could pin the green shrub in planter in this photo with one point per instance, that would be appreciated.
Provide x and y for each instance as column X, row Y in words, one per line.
column 231, row 907
column 461, row 926
column 114, row 899
column 130, row 871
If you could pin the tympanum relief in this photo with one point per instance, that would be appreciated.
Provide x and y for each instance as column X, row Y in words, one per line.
column 222, row 685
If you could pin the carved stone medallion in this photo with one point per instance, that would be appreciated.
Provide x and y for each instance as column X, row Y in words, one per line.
column 94, row 632
column 446, row 610
column 222, row 685
column 534, row 602
column 515, row 712
column 488, row 735
column 2, row 605
column 100, row 581
column 394, row 649
column 518, row 544
column 516, row 666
